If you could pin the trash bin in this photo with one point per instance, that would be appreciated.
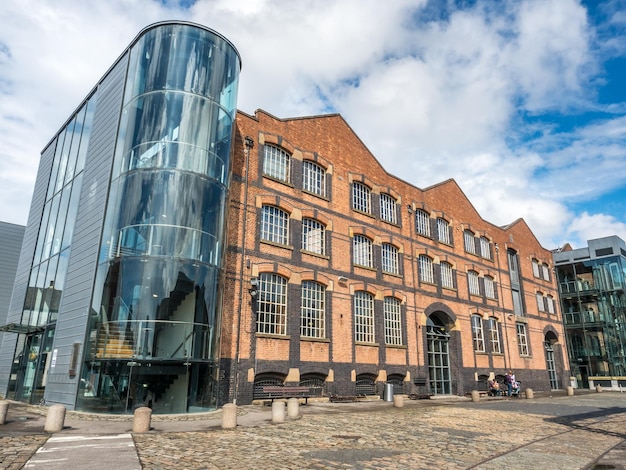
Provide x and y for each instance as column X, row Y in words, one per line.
column 388, row 395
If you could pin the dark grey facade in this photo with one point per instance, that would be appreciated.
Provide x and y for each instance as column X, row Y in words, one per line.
column 117, row 299
column 591, row 286
column 11, row 236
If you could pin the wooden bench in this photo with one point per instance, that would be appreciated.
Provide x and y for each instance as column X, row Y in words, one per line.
column 423, row 393
column 274, row 392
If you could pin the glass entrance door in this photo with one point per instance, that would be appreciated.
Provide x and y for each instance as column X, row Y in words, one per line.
column 438, row 360
column 34, row 366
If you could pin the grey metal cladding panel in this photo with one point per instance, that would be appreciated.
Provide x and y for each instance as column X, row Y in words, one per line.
column 73, row 318
column 11, row 236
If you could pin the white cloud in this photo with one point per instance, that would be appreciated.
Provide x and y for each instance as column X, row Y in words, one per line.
column 432, row 100
column 589, row 226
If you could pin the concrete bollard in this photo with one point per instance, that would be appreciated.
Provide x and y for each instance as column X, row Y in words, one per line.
column 598, row 388
column 475, row 396
column 229, row 416
column 141, row 419
column 570, row 391
column 398, row 401
column 530, row 394
column 278, row 412
column 293, row 407
column 4, row 409
column 55, row 419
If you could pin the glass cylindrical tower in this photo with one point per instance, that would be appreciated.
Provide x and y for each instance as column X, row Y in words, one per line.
column 157, row 300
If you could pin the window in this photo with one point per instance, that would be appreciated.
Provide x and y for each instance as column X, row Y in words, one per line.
column 472, row 281
column 422, row 223
column 490, row 291
column 545, row 271
column 443, row 231
column 362, row 251
column 389, row 254
column 313, row 178
column 550, row 303
column 274, row 225
column 522, row 339
column 393, row 322
column 272, row 304
column 470, row 243
column 313, row 310
column 494, row 336
column 361, row 198
column 540, row 304
column 276, row 163
column 485, row 248
column 426, row 269
column 313, row 236
column 388, row 210
column 477, row 333
column 447, row 278
column 363, row 317
column 535, row 268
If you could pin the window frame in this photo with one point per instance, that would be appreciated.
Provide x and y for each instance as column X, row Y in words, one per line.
column 522, row 339
column 490, row 287
column 494, row 336
column 362, row 251
column 313, row 178
column 469, row 242
column 478, row 334
column 271, row 302
column 485, row 248
column 425, row 269
column 541, row 307
column 443, row 231
column 388, row 208
column 390, row 258
column 361, row 197
column 473, row 283
column 276, row 163
column 312, row 309
column 422, row 223
column 274, row 226
column 392, row 308
column 447, row 275
column 364, row 327
column 309, row 242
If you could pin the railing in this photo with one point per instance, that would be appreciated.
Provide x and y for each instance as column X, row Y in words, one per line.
column 577, row 318
column 155, row 339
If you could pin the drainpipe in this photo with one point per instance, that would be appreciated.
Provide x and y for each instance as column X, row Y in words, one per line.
column 248, row 145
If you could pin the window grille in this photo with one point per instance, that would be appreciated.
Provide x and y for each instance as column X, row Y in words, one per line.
column 485, row 248
column 393, row 321
column 477, row 333
column 490, row 291
column 389, row 255
column 494, row 336
column 422, row 223
column 535, row 268
column 313, row 236
column 470, row 244
column 426, row 269
column 363, row 317
column 472, row 280
column 276, row 163
column 443, row 231
column 522, row 339
column 550, row 303
column 447, row 279
column 540, row 303
column 313, row 178
column 272, row 304
column 388, row 209
column 274, row 225
column 313, row 310
column 361, row 198
column 362, row 251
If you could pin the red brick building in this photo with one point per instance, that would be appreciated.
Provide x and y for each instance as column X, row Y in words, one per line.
column 343, row 277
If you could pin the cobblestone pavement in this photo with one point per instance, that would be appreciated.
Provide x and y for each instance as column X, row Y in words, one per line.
column 587, row 431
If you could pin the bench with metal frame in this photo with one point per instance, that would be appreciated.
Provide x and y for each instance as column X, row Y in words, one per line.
column 274, row 392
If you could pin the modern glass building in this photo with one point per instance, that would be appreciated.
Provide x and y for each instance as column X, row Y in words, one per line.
column 591, row 285
column 117, row 300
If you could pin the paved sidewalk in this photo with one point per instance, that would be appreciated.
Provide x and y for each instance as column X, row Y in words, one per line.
column 586, row 431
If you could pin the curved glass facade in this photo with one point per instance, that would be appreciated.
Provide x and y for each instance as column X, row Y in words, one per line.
column 157, row 297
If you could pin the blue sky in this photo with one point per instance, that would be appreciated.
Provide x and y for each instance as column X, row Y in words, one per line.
column 523, row 102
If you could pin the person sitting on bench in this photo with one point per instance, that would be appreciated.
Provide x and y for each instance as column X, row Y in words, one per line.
column 494, row 388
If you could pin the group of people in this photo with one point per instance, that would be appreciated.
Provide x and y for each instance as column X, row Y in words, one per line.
column 512, row 385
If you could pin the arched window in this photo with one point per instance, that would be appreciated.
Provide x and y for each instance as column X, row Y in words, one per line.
column 361, row 198
column 447, row 277
column 363, row 317
column 362, row 251
column 276, row 163
column 313, row 178
column 422, row 223
column 390, row 259
column 472, row 282
column 272, row 304
column 426, row 269
column 393, row 321
column 313, row 236
column 313, row 310
column 274, row 225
